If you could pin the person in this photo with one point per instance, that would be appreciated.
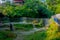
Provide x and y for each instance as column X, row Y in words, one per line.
column 11, row 27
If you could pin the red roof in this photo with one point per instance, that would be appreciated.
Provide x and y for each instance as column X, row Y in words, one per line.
column 18, row 0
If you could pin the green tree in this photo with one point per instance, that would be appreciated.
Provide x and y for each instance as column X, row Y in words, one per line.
column 37, row 9
column 52, row 5
column 29, row 9
column 57, row 9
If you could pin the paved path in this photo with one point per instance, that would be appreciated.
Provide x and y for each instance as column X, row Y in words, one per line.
column 20, row 34
column 31, row 31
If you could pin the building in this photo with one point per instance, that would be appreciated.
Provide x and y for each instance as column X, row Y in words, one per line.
column 11, row 1
column 4, row 1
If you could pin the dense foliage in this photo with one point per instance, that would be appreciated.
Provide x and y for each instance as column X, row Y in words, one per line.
column 7, row 35
column 33, row 8
column 53, row 32
column 53, row 5
column 29, row 9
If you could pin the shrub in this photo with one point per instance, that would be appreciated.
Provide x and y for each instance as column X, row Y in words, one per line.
column 52, row 32
column 4, row 35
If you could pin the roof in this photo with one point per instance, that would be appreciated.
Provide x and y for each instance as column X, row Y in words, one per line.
column 18, row 0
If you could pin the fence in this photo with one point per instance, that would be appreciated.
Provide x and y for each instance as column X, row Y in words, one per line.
column 25, row 20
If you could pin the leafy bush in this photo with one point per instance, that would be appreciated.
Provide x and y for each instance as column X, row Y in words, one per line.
column 29, row 9
column 7, row 35
column 52, row 32
column 40, row 24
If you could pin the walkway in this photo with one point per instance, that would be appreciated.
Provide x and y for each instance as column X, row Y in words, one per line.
column 20, row 34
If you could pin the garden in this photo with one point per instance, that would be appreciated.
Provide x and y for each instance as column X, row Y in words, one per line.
column 30, row 21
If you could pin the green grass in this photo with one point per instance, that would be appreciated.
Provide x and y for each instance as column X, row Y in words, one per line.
column 23, row 26
column 36, row 36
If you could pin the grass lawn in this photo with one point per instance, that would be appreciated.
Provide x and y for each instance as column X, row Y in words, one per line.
column 36, row 36
column 25, row 26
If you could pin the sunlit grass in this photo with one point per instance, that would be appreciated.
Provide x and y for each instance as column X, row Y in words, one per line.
column 36, row 36
column 23, row 26
column 53, row 32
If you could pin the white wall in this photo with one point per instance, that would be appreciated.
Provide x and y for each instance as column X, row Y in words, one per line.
column 11, row 1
